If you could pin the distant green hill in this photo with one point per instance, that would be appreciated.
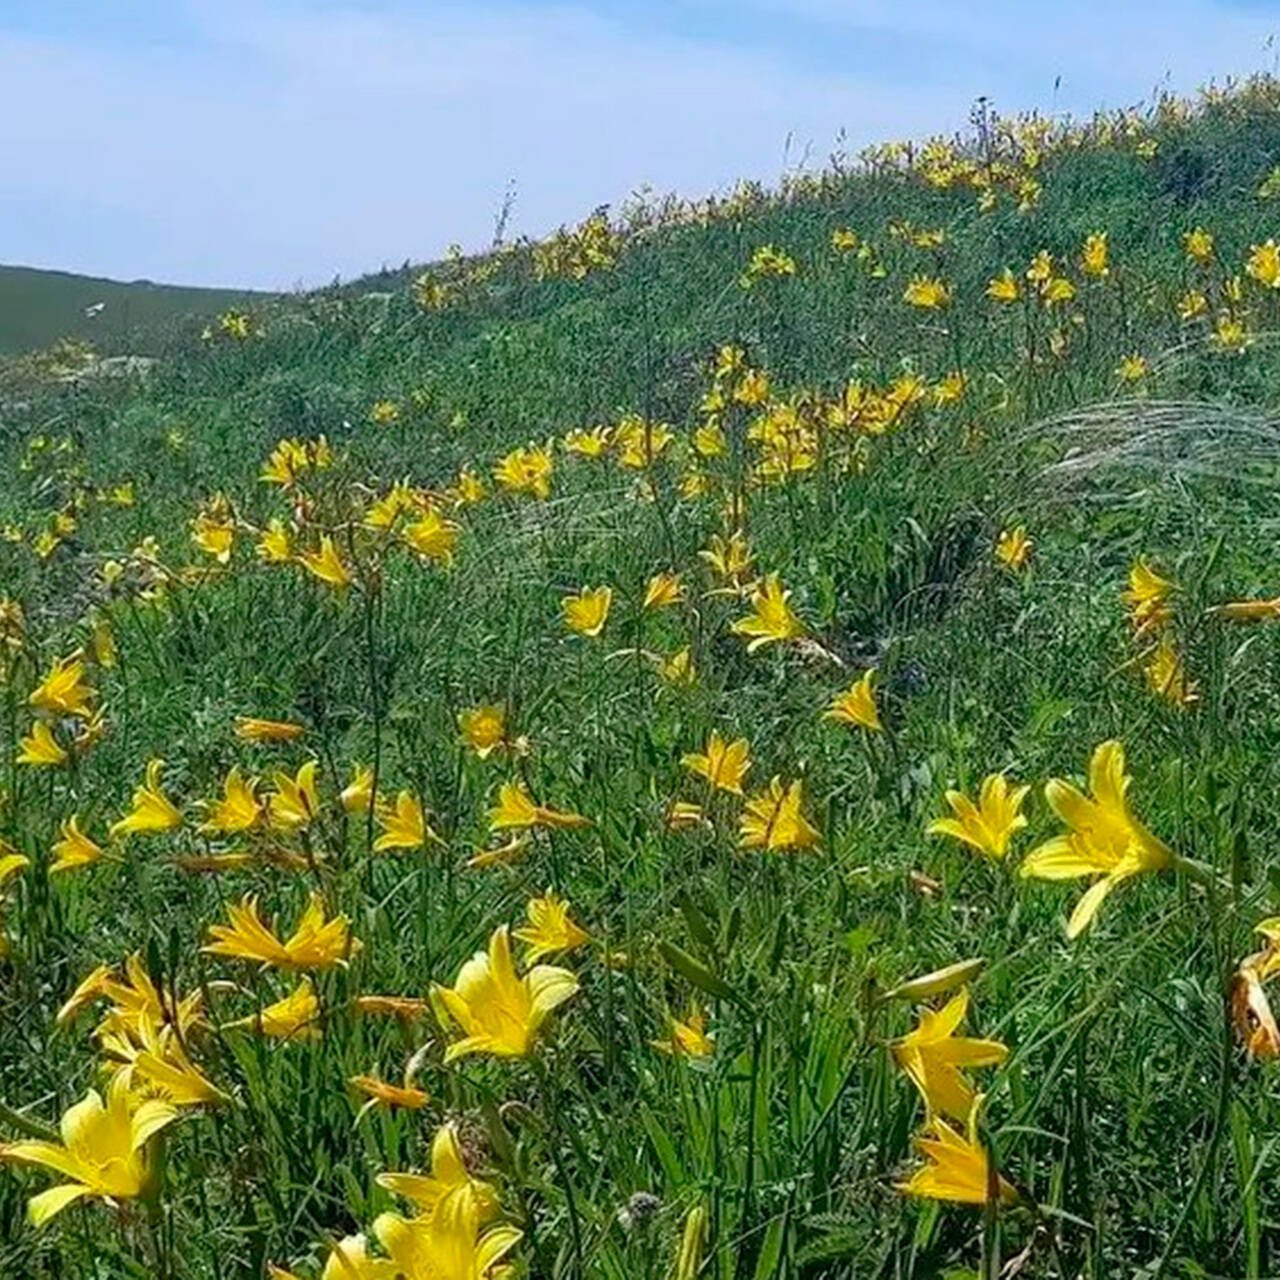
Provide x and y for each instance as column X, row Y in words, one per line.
column 38, row 307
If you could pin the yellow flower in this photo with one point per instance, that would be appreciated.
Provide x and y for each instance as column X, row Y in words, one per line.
column 292, row 1018
column 383, row 413
column 927, row 292
column 688, row 1037
column 449, row 1178
column 432, row 536
column 678, row 668
column 295, row 802
column 772, row 819
column 499, row 1012
column 386, row 511
column 404, row 825
column 103, row 1150
column 155, row 1064
column 469, row 488
column 526, row 471
column 752, row 388
column 1093, row 260
column 41, row 748
column 1058, row 289
column 238, row 809
column 587, row 612
column 1147, row 597
column 445, row 1245
column 1133, row 368
column 723, row 764
column 516, row 810
column 1264, row 264
column 152, row 811
column 844, row 240
column 1005, row 287
column 989, row 825
column 64, row 692
column 771, row 618
column 1013, row 548
column 389, row 1095
column 214, row 534
column 857, row 704
column 1230, row 334
column 730, row 557
column 326, row 564
column 357, row 795
column 709, row 441
column 73, row 848
column 483, row 728
column 957, row 1169
column 1040, row 272
column 249, row 729
column 587, row 444
column 348, row 1260
column 1249, row 610
column 316, row 943
column 1166, row 675
column 550, row 928
column 662, row 591
column 932, row 1056
column 1104, row 838
column 1192, row 304
column 1199, row 245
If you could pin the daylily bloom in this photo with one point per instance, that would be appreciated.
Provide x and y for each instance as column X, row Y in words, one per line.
column 723, row 764
column 73, row 848
column 251, row 729
column 326, row 564
column 152, row 811
column 857, row 704
column 447, row 1243
column 499, row 1012
column 501, row 855
column 432, row 536
column 958, row 1167
column 526, row 470
column 295, row 802
column 357, row 795
column 688, row 1037
column 380, row 1091
column 40, row 748
column 292, row 1018
column 316, row 943
column 730, row 557
column 932, row 1056
column 404, row 824
column 348, row 1260
column 587, row 612
column 1251, row 1014
column 103, row 1150
column 772, row 819
column 1104, row 840
column 927, row 292
column 64, row 691
column 1093, row 260
column 1167, row 676
column 1147, row 597
column 516, row 810
column 678, row 668
column 989, row 825
column 449, row 1178
column 483, row 728
column 771, row 618
column 1013, row 548
column 550, row 928
column 154, row 1062
column 662, row 591
column 275, row 543
column 238, row 809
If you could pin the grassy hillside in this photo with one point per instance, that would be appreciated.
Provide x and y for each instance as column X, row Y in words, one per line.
column 39, row 307
column 655, row 604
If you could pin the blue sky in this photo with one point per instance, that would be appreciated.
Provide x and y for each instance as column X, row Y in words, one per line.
column 280, row 142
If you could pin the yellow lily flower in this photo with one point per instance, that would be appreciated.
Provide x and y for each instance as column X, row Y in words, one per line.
column 772, row 819
column 447, row 1243
column 404, row 825
column 237, row 811
column 771, row 618
column 382, row 1092
column 857, row 704
column 155, row 1064
column 989, row 825
column 1013, row 548
column 152, row 811
column 73, row 848
column 432, row 537
column 326, row 564
column 448, row 1178
column 295, row 802
column 662, row 591
column 275, row 543
column 932, row 1056
column 357, row 795
column 1147, row 597
column 295, row 1017
column 316, row 943
column 103, row 1150
column 723, row 764
column 957, row 1169
column 252, row 729
column 348, row 1260
column 64, row 691
column 483, row 728
column 40, row 748
column 688, row 1037
column 587, row 612
column 1104, row 840
column 499, row 1012
column 550, row 928
column 516, row 810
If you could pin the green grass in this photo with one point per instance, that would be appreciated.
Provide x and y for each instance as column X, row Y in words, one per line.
column 1126, row 1109
column 39, row 307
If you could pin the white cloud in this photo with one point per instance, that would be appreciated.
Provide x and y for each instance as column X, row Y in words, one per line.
column 287, row 142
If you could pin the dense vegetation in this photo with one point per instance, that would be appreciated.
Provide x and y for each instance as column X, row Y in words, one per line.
column 936, row 466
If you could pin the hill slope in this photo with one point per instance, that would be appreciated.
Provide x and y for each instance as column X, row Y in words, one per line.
column 38, row 307
column 661, row 602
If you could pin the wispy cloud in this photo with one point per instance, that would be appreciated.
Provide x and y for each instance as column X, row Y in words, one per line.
column 277, row 141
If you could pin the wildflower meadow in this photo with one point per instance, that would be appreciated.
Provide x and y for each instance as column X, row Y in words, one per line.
column 739, row 740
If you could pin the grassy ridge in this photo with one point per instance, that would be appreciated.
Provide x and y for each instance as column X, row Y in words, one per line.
column 1108, row 422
